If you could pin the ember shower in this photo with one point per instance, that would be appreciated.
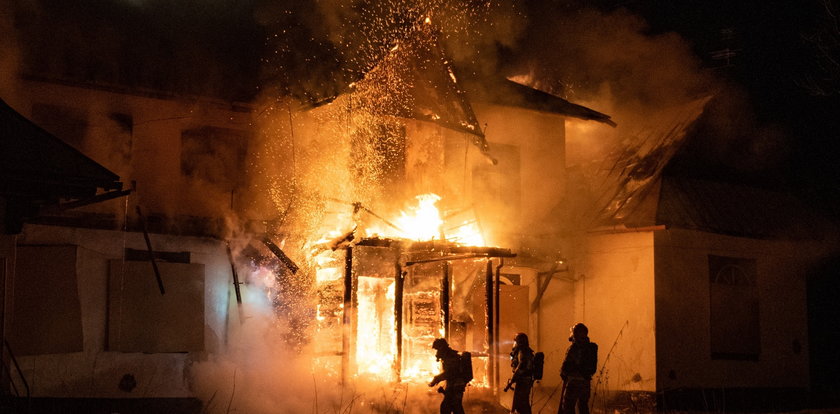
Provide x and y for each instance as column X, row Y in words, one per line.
column 356, row 166
column 387, row 282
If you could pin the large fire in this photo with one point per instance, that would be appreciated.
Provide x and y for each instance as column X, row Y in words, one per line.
column 381, row 349
column 424, row 222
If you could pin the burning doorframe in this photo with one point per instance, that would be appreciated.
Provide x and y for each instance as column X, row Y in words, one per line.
column 439, row 268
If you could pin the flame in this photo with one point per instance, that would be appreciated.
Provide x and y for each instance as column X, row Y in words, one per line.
column 452, row 75
column 467, row 233
column 326, row 269
column 422, row 222
column 375, row 346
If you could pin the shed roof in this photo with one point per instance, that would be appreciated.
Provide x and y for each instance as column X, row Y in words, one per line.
column 502, row 91
column 724, row 208
column 34, row 162
column 736, row 210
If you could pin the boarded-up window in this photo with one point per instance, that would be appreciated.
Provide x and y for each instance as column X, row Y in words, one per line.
column 733, row 293
column 46, row 314
column 215, row 155
column 69, row 124
column 140, row 319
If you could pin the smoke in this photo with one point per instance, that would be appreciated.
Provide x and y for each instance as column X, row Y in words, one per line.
column 311, row 51
column 365, row 30
column 10, row 58
column 656, row 89
column 260, row 370
column 735, row 144
column 314, row 50
column 610, row 60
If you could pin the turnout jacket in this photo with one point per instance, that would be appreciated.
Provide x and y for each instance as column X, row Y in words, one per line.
column 581, row 361
column 451, row 364
column 522, row 362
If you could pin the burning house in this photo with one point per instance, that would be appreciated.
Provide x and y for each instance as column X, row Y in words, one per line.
column 340, row 236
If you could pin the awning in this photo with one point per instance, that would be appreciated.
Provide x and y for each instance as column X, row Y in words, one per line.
column 38, row 169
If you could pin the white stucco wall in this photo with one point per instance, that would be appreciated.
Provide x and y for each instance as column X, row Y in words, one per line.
column 149, row 154
column 614, row 297
column 96, row 372
column 607, row 285
column 540, row 138
column 683, row 311
column 554, row 317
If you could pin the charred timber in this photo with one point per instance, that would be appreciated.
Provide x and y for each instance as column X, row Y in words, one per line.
column 234, row 275
column 358, row 206
column 399, row 282
column 490, row 311
column 341, row 241
column 151, row 251
column 497, row 316
column 410, row 246
column 544, row 285
column 289, row 263
column 447, row 258
column 444, row 299
column 346, row 319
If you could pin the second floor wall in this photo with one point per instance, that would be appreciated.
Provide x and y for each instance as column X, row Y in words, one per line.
column 183, row 157
column 204, row 166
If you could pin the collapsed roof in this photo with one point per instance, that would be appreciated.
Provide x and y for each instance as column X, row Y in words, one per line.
column 634, row 189
column 417, row 80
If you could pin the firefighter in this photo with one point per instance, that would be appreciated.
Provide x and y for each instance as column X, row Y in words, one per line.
column 578, row 367
column 453, row 393
column 522, row 363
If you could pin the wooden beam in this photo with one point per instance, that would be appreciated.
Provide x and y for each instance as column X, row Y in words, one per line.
column 151, row 251
column 544, row 285
column 236, row 282
column 280, row 255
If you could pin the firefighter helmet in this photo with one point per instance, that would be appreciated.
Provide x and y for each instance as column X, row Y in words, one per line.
column 439, row 344
column 521, row 339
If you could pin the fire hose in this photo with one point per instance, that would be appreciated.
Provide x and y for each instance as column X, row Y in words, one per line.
column 547, row 400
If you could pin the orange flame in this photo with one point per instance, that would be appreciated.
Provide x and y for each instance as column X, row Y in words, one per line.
column 423, row 222
column 376, row 342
